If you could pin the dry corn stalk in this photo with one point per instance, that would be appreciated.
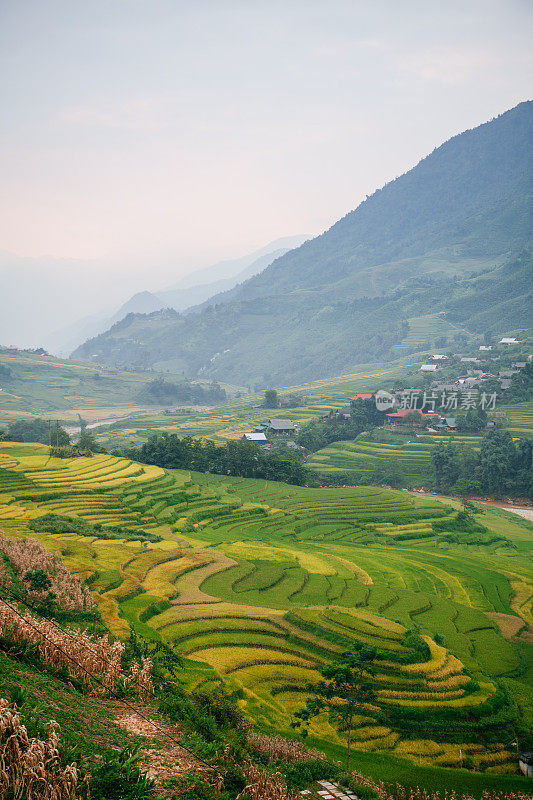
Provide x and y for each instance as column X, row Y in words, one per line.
column 30, row 767
column 28, row 555
column 92, row 660
column 262, row 785
column 283, row 749
column 401, row 793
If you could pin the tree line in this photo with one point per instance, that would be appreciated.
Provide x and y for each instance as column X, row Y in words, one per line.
column 501, row 466
column 238, row 458
column 364, row 416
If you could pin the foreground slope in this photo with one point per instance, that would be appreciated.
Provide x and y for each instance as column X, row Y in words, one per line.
column 445, row 239
column 260, row 583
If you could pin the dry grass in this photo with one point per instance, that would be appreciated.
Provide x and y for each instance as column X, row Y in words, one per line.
column 30, row 767
column 281, row 749
column 92, row 660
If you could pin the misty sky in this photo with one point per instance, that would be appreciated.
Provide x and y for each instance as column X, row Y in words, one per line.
column 176, row 133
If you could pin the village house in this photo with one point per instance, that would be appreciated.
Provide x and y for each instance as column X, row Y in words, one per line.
column 282, row 427
column 518, row 364
column 444, row 387
column 258, row 438
column 508, row 341
column 429, row 368
column 505, row 384
column 485, row 347
column 438, row 357
column 398, row 417
column 447, row 424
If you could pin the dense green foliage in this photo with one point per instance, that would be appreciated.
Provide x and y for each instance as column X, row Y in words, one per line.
column 56, row 523
column 521, row 387
column 335, row 427
column 502, row 465
column 238, row 458
column 38, row 430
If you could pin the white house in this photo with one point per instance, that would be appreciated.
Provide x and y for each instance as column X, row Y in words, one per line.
column 438, row 357
column 258, row 438
column 508, row 341
column 428, row 368
column 485, row 347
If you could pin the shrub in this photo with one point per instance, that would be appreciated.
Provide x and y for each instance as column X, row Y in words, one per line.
column 56, row 523
column 119, row 777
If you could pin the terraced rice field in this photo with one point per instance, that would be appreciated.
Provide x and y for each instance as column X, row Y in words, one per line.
column 233, row 419
column 364, row 458
column 259, row 584
column 520, row 417
column 424, row 330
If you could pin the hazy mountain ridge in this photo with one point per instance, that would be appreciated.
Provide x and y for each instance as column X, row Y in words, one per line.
column 411, row 249
column 190, row 290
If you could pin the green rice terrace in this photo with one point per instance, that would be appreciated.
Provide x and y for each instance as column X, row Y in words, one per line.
column 408, row 452
column 362, row 457
column 258, row 584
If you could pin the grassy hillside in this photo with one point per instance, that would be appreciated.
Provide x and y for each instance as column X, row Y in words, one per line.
column 408, row 455
column 360, row 458
column 260, row 583
column 49, row 386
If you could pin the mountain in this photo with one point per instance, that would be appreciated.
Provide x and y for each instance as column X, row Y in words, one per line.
column 443, row 249
column 190, row 290
column 200, row 286
column 140, row 303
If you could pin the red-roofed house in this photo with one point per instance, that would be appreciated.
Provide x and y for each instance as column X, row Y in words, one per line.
column 397, row 416
column 362, row 396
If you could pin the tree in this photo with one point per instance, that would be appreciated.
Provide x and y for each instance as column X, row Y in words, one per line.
column 497, row 458
column 473, row 421
column 87, row 441
column 271, row 399
column 38, row 430
column 345, row 689
column 39, row 581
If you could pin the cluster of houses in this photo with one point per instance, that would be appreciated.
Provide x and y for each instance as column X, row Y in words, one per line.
column 274, row 427
column 475, row 375
column 436, row 421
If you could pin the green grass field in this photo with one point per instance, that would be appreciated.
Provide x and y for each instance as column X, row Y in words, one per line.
column 258, row 584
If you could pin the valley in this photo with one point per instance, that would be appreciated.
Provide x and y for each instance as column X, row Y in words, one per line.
column 258, row 583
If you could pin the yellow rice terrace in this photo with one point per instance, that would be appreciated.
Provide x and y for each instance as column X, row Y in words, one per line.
column 260, row 584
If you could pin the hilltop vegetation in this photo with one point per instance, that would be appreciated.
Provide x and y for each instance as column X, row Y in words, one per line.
column 443, row 249
column 258, row 584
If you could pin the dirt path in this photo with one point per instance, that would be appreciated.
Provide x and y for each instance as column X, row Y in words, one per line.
column 162, row 759
column 522, row 509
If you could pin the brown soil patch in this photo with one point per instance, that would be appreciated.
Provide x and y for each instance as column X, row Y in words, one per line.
column 162, row 760
column 508, row 624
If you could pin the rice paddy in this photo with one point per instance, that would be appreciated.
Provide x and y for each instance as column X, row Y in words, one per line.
column 365, row 457
column 258, row 584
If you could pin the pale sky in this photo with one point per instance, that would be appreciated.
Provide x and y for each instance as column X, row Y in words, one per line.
column 176, row 133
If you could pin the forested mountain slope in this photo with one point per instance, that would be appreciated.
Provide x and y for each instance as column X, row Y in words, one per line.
column 449, row 238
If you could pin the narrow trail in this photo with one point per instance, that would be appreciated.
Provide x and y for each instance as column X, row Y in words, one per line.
column 161, row 760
